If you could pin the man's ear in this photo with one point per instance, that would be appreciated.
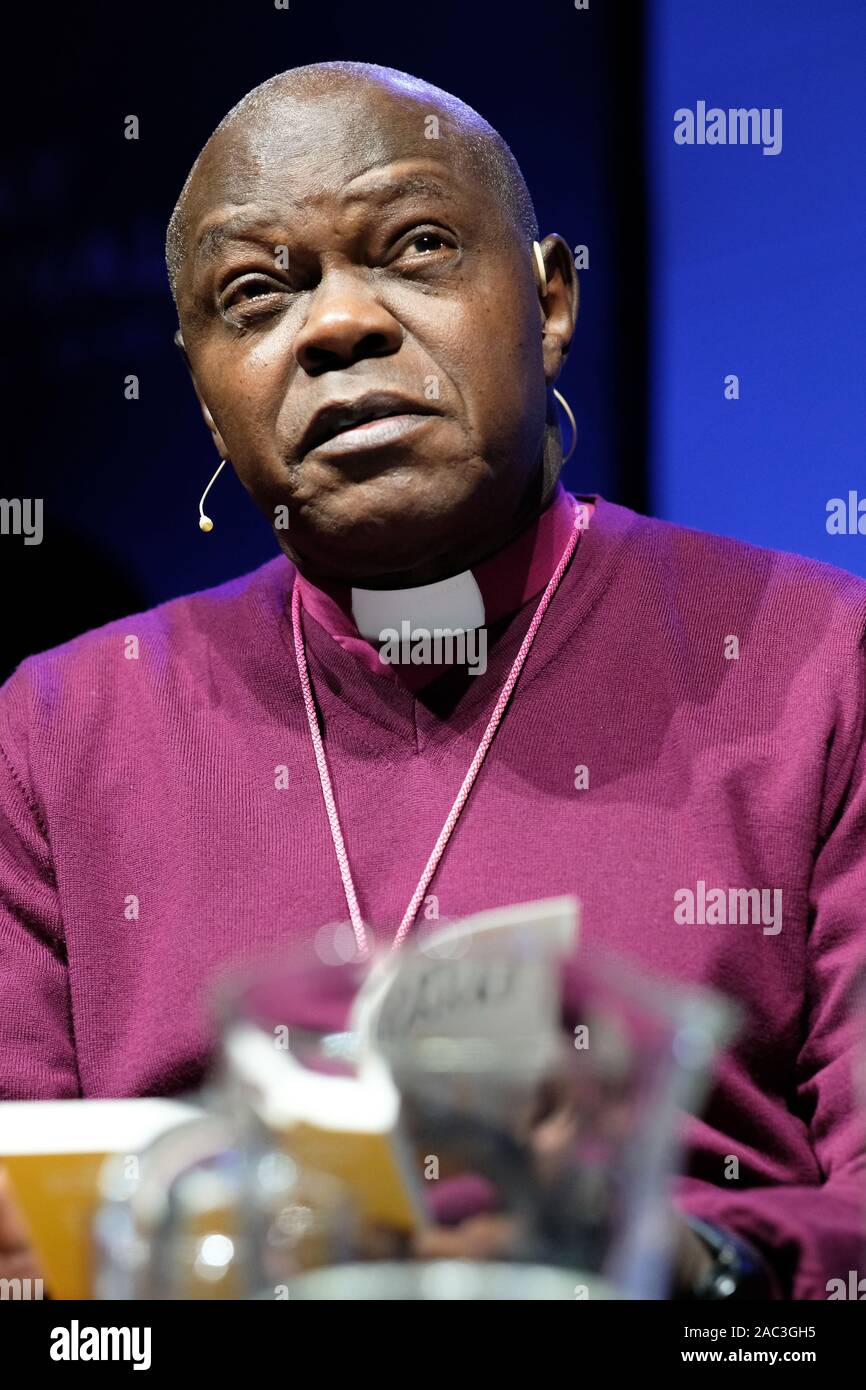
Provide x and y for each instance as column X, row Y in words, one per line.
column 208, row 418
column 559, row 306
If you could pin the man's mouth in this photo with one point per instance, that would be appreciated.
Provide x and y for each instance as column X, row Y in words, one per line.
column 370, row 421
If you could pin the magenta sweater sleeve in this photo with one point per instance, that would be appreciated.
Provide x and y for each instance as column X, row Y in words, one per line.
column 37, row 1049
column 812, row 1236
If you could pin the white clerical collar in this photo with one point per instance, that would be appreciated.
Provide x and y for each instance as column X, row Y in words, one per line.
column 454, row 603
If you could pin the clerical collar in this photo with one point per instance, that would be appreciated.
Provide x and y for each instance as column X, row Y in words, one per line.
column 450, row 603
column 494, row 589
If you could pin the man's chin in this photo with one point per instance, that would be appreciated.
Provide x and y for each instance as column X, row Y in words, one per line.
column 369, row 533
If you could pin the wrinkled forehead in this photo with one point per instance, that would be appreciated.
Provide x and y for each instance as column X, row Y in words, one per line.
column 302, row 150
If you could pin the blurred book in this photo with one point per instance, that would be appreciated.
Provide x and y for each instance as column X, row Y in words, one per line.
column 492, row 977
column 332, row 1117
column 54, row 1151
column 495, row 976
column 330, row 1096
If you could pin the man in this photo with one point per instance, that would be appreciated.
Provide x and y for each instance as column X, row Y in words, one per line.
column 667, row 724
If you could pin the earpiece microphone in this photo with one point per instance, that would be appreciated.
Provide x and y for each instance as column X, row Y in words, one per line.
column 205, row 523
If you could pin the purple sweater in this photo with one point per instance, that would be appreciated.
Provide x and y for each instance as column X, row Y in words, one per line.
column 150, row 784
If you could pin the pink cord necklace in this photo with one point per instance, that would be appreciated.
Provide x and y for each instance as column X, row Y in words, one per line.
column 474, row 767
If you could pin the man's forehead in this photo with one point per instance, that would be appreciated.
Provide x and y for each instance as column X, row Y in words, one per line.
column 280, row 190
column 327, row 142
column 379, row 187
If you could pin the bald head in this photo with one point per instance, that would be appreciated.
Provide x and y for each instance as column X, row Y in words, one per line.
column 273, row 114
column 360, row 312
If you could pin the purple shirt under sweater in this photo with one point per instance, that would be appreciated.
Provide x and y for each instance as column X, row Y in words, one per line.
column 155, row 779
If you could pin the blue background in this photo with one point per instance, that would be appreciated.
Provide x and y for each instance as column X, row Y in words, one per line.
column 757, row 269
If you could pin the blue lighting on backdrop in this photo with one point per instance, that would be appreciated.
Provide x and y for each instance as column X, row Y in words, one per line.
column 758, row 272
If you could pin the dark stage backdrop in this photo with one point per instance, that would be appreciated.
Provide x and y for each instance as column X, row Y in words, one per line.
column 87, row 301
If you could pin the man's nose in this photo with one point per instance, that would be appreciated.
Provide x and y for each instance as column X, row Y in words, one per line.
column 345, row 324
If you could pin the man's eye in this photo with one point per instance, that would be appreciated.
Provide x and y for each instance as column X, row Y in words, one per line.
column 427, row 241
column 422, row 244
column 244, row 291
